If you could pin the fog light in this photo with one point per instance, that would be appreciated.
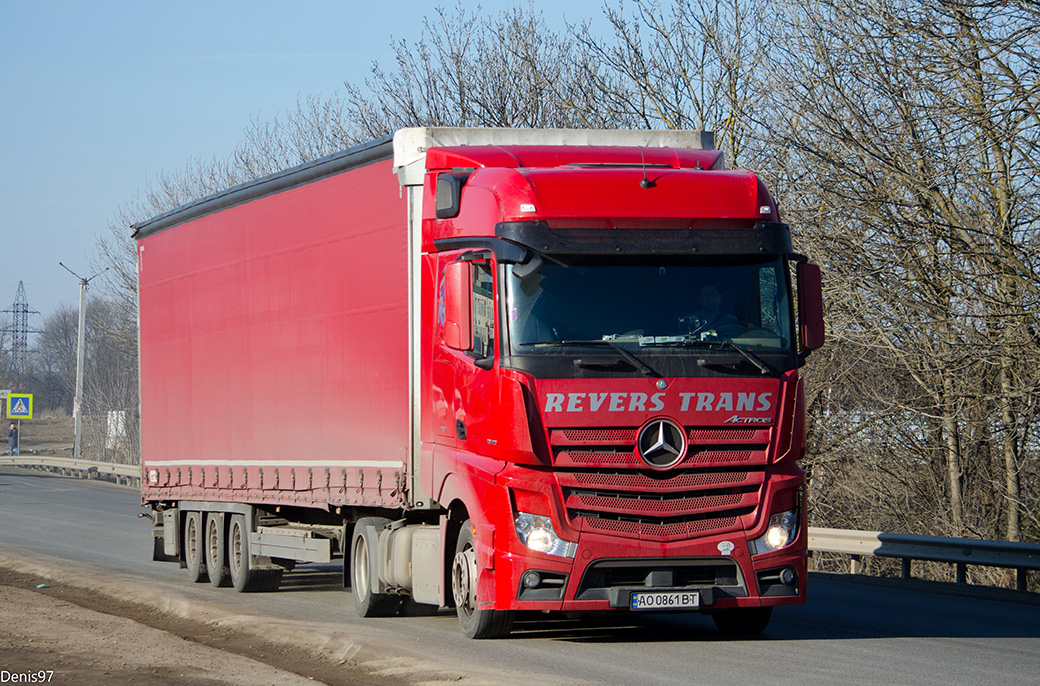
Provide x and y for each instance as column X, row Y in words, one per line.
column 782, row 529
column 787, row 576
column 532, row 579
column 537, row 533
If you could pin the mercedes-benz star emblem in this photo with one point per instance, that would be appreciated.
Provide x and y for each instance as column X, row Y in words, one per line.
column 661, row 443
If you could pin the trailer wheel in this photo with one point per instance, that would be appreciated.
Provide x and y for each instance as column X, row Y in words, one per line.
column 245, row 577
column 364, row 549
column 216, row 550
column 476, row 623
column 194, row 551
column 742, row 621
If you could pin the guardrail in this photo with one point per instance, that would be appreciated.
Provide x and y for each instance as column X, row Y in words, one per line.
column 961, row 552
column 88, row 467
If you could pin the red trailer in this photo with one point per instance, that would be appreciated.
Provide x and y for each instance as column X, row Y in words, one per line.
column 491, row 369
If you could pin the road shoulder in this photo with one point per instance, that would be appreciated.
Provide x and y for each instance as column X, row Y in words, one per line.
column 58, row 632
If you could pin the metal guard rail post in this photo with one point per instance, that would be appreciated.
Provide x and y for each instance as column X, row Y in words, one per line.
column 1022, row 557
column 127, row 471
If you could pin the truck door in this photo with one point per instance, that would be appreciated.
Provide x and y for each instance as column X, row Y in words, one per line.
column 465, row 351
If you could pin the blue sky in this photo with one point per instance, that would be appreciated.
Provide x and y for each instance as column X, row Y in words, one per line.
column 101, row 96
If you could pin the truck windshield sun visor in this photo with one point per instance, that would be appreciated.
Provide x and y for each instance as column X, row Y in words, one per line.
column 528, row 268
column 764, row 238
column 505, row 252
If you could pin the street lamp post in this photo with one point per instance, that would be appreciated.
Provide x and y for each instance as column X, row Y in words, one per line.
column 77, row 402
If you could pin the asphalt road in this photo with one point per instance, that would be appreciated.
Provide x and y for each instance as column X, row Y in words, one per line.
column 849, row 633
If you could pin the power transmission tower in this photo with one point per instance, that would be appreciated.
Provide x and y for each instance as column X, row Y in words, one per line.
column 20, row 330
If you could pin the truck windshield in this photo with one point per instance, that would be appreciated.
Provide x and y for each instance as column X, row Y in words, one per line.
column 650, row 302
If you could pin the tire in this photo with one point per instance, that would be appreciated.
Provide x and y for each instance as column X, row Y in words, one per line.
column 476, row 623
column 245, row 577
column 364, row 549
column 742, row 621
column 194, row 549
column 216, row 550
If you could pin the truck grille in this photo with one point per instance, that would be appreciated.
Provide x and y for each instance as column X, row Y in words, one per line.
column 607, row 488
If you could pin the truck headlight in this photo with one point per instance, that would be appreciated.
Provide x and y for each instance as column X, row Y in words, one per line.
column 538, row 534
column 782, row 529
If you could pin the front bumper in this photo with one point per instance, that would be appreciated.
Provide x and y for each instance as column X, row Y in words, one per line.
column 606, row 572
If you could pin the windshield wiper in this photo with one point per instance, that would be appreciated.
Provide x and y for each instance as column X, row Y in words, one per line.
column 643, row 367
column 748, row 355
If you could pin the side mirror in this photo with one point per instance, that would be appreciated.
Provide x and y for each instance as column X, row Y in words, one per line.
column 458, row 301
column 449, row 194
column 810, row 306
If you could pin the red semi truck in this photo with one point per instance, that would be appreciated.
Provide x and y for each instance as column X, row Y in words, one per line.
column 490, row 369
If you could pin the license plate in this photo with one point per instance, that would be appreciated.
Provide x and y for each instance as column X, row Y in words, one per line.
column 671, row 600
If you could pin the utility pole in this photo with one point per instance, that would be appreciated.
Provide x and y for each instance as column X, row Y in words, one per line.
column 77, row 402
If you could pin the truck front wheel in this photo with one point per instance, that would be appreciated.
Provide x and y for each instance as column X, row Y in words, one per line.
column 476, row 623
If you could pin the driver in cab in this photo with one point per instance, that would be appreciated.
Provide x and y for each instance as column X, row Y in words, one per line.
column 710, row 319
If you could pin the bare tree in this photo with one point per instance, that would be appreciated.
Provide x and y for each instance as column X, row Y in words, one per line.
column 693, row 65
column 110, row 383
column 912, row 130
column 54, row 361
column 510, row 70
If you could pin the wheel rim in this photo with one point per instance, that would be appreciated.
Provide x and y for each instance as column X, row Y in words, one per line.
column 235, row 548
column 360, row 568
column 193, row 541
column 463, row 576
column 212, row 542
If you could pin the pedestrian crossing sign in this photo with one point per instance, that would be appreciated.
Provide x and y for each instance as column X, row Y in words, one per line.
column 19, row 405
